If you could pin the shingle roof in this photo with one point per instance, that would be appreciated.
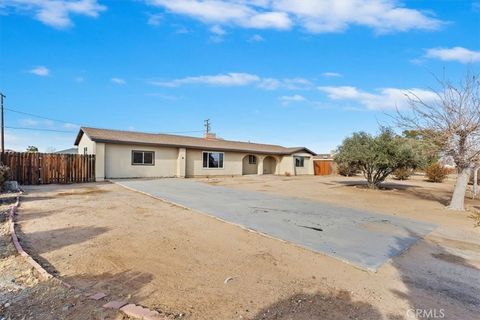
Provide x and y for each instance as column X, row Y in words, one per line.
column 169, row 140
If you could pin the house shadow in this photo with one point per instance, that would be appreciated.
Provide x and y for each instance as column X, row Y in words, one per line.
column 439, row 280
column 125, row 285
column 325, row 306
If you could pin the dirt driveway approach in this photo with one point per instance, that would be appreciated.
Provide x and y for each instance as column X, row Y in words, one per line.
column 364, row 239
column 103, row 237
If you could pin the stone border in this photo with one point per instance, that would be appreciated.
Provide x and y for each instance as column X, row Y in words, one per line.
column 42, row 272
column 131, row 310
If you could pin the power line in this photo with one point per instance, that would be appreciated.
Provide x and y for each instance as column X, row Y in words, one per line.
column 38, row 129
column 41, row 117
column 70, row 122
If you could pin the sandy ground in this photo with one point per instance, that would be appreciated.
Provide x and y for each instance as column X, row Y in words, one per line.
column 104, row 237
column 24, row 296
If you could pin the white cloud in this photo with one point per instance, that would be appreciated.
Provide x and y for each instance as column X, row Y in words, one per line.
column 238, row 79
column 385, row 98
column 55, row 13
column 227, row 12
column 312, row 15
column 70, row 126
column 286, row 100
column 332, row 75
column 118, row 81
column 40, row 71
column 28, row 122
column 256, row 38
column 226, row 80
column 218, row 30
column 154, row 19
column 459, row 54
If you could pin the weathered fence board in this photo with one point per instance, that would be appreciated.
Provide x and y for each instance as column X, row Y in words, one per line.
column 44, row 168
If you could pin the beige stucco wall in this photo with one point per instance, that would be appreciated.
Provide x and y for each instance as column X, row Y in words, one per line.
column 232, row 164
column 98, row 149
column 287, row 166
column 114, row 161
column 308, row 164
column 249, row 168
column 118, row 162
column 85, row 142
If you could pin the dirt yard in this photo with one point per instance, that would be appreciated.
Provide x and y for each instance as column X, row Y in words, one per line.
column 102, row 237
column 23, row 295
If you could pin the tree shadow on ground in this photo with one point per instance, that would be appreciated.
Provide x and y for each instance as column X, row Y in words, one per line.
column 325, row 306
column 28, row 198
column 35, row 215
column 409, row 190
column 384, row 186
column 50, row 240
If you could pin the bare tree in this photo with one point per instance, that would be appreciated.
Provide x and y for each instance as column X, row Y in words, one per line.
column 453, row 121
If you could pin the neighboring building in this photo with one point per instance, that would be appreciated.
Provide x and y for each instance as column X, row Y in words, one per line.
column 126, row 154
column 68, row 151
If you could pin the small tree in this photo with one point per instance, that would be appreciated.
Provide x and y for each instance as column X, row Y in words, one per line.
column 32, row 149
column 377, row 156
column 452, row 120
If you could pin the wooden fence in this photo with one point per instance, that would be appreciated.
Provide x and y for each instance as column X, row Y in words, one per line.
column 44, row 168
column 323, row 167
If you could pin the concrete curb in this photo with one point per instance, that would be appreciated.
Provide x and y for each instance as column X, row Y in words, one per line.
column 133, row 310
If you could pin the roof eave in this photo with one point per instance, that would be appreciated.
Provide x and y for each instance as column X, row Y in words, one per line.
column 188, row 146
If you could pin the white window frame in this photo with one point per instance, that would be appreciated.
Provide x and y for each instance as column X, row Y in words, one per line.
column 223, row 160
column 143, row 158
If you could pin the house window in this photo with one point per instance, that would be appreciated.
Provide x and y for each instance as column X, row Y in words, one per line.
column 299, row 162
column 143, row 158
column 213, row 160
column 252, row 159
column 85, row 151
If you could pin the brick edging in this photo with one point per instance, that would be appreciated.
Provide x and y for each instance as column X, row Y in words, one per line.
column 41, row 271
column 132, row 310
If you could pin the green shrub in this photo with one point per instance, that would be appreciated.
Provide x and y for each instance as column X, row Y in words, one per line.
column 436, row 173
column 378, row 156
column 402, row 173
column 346, row 170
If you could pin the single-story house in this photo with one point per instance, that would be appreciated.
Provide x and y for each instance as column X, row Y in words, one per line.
column 126, row 154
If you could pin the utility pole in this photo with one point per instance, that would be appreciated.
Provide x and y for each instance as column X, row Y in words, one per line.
column 206, row 124
column 2, row 96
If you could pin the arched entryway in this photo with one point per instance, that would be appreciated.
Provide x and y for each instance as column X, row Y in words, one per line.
column 250, row 164
column 269, row 165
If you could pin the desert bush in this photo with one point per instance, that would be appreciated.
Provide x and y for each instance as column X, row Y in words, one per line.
column 5, row 174
column 476, row 219
column 346, row 170
column 377, row 156
column 436, row 173
column 402, row 173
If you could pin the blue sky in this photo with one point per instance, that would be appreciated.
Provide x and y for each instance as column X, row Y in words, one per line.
column 295, row 73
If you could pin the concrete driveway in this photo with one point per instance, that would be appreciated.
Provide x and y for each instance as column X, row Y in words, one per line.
column 361, row 238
